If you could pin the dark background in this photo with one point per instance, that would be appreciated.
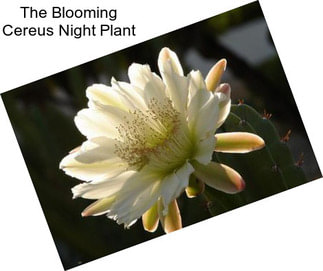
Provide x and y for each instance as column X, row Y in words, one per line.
column 42, row 115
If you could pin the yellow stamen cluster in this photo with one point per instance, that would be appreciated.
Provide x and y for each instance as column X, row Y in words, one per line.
column 147, row 133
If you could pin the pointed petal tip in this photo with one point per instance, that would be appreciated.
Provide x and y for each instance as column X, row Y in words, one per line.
column 260, row 144
column 87, row 212
column 168, row 61
column 75, row 150
column 222, row 63
column 113, row 81
column 164, row 55
column 236, row 179
column 75, row 191
column 66, row 163
column 63, row 163
column 219, row 176
column 257, row 142
column 172, row 221
column 213, row 78
column 98, row 207
column 238, row 142
column 150, row 219
column 151, row 229
column 242, row 185
column 165, row 52
column 61, row 166
column 224, row 88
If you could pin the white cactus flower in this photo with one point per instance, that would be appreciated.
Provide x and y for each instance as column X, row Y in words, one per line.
column 147, row 137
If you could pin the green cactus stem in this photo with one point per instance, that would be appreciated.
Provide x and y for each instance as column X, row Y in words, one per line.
column 266, row 172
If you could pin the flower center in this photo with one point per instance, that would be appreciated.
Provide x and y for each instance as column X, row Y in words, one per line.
column 154, row 136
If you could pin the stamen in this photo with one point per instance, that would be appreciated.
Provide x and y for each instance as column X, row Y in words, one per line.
column 151, row 136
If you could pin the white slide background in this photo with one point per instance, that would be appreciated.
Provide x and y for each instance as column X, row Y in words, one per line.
column 279, row 233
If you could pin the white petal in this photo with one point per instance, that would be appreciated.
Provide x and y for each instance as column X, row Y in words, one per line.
column 220, row 177
column 132, row 95
column 167, row 55
column 99, row 94
column 176, row 83
column 140, row 75
column 198, row 98
column 213, row 78
column 205, row 149
column 133, row 207
column 172, row 221
column 102, row 189
column 223, row 92
column 150, row 219
column 93, row 171
column 238, row 142
column 95, row 150
column 99, row 207
column 203, row 109
column 138, row 194
column 94, row 123
column 95, row 160
column 174, row 184
column 208, row 116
